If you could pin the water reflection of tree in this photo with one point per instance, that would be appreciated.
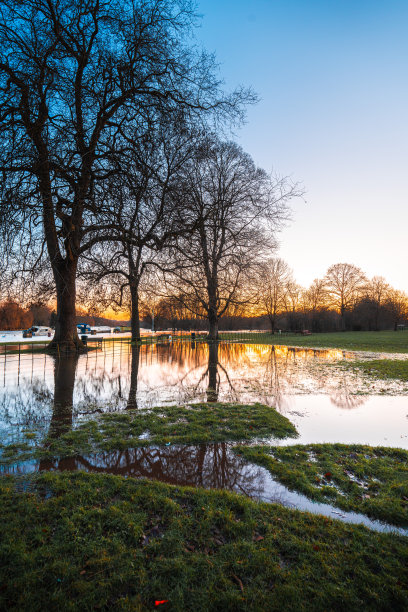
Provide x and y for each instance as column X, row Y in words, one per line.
column 343, row 398
column 205, row 465
column 26, row 407
column 134, row 372
column 208, row 383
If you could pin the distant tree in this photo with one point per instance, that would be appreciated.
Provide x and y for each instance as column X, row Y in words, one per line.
column 14, row 317
column 40, row 313
column 235, row 208
column 397, row 305
column 377, row 290
column 274, row 277
column 74, row 76
column 315, row 297
column 345, row 283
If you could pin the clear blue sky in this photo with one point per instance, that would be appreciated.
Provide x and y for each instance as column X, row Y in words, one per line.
column 332, row 76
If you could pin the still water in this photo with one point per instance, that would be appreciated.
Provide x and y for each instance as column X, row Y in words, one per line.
column 325, row 401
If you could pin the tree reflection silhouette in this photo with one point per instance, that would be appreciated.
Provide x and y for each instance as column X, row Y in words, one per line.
column 134, row 373
column 65, row 366
column 212, row 466
column 212, row 389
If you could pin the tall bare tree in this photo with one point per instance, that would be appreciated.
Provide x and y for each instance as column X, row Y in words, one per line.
column 74, row 75
column 144, row 207
column 274, row 277
column 377, row 291
column 235, row 208
column 345, row 283
column 315, row 297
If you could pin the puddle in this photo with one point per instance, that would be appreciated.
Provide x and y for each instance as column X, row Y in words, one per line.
column 212, row 466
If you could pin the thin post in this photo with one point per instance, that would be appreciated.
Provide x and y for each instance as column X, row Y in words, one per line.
column 19, row 355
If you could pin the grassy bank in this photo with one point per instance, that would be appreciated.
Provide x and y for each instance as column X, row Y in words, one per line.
column 191, row 424
column 385, row 341
column 369, row 480
column 86, row 542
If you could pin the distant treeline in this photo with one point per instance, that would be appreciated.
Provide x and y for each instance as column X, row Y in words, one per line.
column 363, row 317
column 14, row 317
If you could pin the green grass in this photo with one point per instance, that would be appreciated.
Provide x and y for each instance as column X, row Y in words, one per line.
column 385, row 341
column 98, row 542
column 365, row 479
column 191, row 424
column 382, row 368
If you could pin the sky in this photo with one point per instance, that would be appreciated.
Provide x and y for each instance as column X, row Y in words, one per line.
column 333, row 114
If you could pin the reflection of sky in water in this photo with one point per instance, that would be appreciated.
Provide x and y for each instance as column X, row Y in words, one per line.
column 325, row 402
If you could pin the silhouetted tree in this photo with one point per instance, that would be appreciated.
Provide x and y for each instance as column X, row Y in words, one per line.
column 74, row 76
column 273, row 278
column 345, row 284
column 235, row 208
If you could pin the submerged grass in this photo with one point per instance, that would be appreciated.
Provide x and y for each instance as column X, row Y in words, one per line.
column 99, row 542
column 382, row 368
column 365, row 479
column 190, row 424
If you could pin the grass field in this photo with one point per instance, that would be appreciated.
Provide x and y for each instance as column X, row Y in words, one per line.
column 97, row 542
column 385, row 341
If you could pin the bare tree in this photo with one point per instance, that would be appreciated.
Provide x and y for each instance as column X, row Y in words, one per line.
column 377, row 290
column 274, row 276
column 345, row 284
column 315, row 297
column 74, row 75
column 397, row 306
column 235, row 209
column 143, row 205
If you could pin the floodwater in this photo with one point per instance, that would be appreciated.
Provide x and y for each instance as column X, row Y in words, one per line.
column 326, row 402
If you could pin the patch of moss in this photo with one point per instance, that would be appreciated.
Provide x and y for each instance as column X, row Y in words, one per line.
column 370, row 480
column 190, row 424
column 87, row 542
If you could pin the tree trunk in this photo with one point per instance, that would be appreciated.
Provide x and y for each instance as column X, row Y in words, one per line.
column 66, row 333
column 213, row 333
column 213, row 323
column 212, row 394
column 134, row 320
column 134, row 371
column 343, row 318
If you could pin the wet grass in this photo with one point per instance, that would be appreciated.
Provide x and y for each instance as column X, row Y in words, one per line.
column 100, row 542
column 190, row 424
column 382, row 368
column 385, row 341
column 364, row 479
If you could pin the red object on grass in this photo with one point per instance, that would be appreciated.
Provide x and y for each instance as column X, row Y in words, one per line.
column 159, row 602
